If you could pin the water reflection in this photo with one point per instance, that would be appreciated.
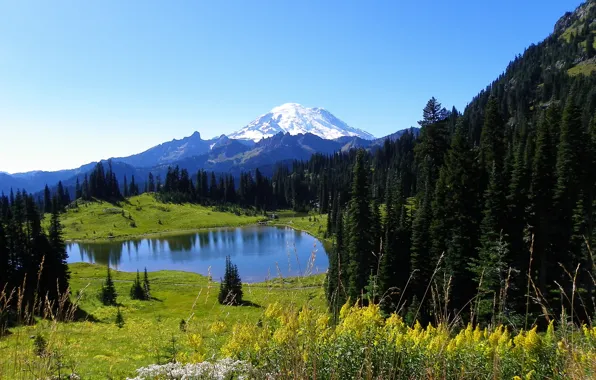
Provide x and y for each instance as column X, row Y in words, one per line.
column 258, row 251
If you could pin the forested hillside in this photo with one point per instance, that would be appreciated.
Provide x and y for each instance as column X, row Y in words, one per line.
column 490, row 213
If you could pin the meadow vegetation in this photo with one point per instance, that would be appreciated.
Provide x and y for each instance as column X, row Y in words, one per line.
column 144, row 214
column 182, row 322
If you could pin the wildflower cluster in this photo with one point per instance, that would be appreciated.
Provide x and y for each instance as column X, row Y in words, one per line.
column 222, row 369
column 302, row 343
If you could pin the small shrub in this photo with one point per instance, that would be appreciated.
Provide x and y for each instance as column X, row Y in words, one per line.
column 41, row 345
column 119, row 319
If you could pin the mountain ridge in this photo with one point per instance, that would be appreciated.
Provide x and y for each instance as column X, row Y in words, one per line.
column 294, row 118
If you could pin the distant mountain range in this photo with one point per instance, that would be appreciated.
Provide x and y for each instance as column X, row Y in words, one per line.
column 289, row 132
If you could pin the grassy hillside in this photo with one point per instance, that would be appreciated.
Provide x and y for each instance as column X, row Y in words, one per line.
column 141, row 215
column 151, row 333
column 144, row 214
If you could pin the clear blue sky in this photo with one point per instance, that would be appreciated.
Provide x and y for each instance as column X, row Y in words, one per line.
column 86, row 80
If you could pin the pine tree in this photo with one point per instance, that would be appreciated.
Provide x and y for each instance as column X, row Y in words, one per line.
column 126, row 188
column 146, row 285
column 570, row 176
column 542, row 186
column 492, row 145
column 395, row 261
column 47, row 200
column 590, row 44
column 136, row 291
column 230, row 291
column 433, row 113
column 489, row 269
column 151, row 183
column 78, row 190
column 359, row 230
column 55, row 263
column 108, row 291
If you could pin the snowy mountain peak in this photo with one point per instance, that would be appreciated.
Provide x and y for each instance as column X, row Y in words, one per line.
column 294, row 118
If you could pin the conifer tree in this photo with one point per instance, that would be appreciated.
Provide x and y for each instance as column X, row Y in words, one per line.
column 492, row 146
column 47, row 200
column 126, row 188
column 489, row 269
column 230, row 291
column 570, row 177
column 151, row 183
column 146, row 285
column 359, row 233
column 543, row 182
column 108, row 291
column 394, row 266
column 55, row 262
column 136, row 291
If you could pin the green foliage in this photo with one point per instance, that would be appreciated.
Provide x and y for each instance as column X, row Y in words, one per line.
column 108, row 293
column 137, row 291
column 119, row 319
column 230, row 290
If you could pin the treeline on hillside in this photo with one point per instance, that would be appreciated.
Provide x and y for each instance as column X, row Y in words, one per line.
column 33, row 271
column 500, row 225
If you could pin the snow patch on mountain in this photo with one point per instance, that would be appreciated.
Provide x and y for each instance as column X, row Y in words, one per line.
column 296, row 119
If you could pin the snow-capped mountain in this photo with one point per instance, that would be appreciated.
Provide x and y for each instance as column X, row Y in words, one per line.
column 295, row 119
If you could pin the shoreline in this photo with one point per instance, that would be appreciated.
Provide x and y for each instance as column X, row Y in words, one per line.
column 121, row 238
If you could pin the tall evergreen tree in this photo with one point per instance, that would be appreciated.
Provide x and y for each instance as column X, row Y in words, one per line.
column 108, row 293
column 230, row 291
column 358, row 227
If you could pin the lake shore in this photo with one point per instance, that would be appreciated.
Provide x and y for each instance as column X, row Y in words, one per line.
column 143, row 216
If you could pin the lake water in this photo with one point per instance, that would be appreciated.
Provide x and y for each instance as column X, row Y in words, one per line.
column 258, row 251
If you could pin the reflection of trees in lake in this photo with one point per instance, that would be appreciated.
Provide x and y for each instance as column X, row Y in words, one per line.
column 180, row 243
column 102, row 253
column 255, row 249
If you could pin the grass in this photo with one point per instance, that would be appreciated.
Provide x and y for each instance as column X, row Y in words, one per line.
column 141, row 215
column 582, row 68
column 314, row 224
column 151, row 333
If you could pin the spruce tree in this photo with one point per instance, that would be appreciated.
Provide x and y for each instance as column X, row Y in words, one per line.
column 151, row 183
column 55, row 262
column 108, row 293
column 489, row 269
column 230, row 291
column 542, row 186
column 394, row 266
column 136, row 291
column 47, row 200
column 146, row 285
column 570, row 176
column 359, row 226
column 126, row 188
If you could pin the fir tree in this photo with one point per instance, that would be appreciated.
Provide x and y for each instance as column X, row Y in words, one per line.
column 146, row 285
column 542, row 186
column 47, row 200
column 55, row 262
column 358, row 227
column 230, row 291
column 136, row 291
column 108, row 291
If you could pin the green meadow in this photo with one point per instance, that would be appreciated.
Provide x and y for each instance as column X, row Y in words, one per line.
column 96, row 348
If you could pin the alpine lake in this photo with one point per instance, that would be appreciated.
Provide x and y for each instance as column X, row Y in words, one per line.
column 259, row 252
